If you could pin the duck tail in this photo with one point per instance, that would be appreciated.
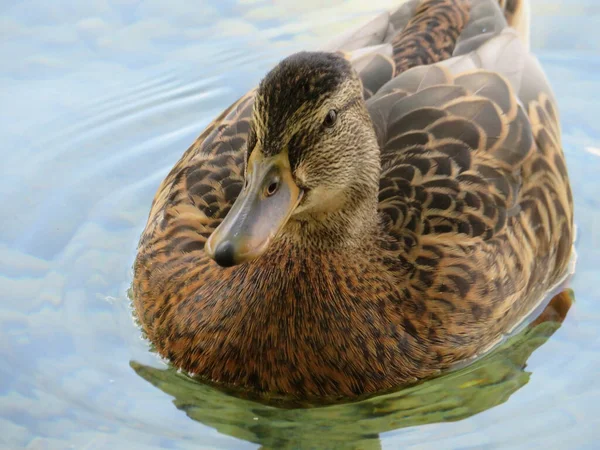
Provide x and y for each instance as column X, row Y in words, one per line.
column 517, row 14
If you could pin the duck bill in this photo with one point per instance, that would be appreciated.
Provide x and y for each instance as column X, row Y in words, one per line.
column 259, row 213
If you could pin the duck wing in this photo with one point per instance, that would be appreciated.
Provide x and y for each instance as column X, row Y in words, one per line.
column 472, row 165
column 201, row 188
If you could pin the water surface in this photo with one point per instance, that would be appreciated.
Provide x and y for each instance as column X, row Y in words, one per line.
column 98, row 100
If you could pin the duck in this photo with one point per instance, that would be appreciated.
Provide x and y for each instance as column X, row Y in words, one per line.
column 371, row 215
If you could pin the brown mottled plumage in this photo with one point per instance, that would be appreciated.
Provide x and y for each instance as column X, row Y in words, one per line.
column 434, row 211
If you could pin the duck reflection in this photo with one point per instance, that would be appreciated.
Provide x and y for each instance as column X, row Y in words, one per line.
column 486, row 383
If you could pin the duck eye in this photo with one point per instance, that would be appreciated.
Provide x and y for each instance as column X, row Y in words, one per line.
column 272, row 188
column 330, row 118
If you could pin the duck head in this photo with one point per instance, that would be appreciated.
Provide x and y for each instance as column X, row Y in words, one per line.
column 312, row 163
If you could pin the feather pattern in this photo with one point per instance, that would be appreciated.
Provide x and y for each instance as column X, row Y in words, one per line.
column 474, row 205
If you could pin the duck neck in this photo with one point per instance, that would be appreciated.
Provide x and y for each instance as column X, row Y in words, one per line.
column 352, row 227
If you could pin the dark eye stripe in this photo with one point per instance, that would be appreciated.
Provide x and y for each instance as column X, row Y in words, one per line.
column 337, row 112
column 349, row 104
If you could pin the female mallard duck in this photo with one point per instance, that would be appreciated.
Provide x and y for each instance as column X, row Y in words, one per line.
column 365, row 218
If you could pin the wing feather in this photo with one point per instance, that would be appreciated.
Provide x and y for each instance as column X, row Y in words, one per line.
column 201, row 188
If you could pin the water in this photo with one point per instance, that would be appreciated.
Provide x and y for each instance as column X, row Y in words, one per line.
column 98, row 100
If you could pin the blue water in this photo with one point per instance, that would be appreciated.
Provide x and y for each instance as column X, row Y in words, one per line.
column 98, row 99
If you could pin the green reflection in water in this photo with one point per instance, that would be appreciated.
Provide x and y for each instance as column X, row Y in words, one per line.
column 486, row 383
